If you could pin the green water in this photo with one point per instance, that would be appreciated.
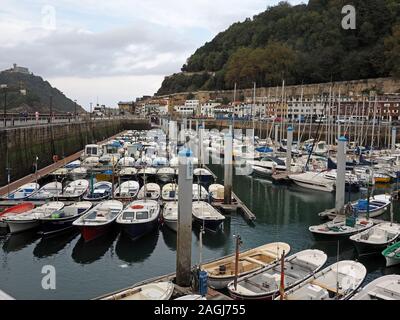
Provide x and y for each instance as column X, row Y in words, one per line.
column 84, row 271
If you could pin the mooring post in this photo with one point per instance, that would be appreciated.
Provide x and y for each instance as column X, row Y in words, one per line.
column 228, row 167
column 340, row 175
column 394, row 133
column 190, row 124
column 289, row 149
column 184, row 234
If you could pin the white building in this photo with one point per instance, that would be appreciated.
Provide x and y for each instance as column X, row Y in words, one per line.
column 207, row 109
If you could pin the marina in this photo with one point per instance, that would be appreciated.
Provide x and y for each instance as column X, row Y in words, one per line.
column 135, row 238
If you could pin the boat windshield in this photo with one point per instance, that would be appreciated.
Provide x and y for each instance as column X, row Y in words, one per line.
column 142, row 215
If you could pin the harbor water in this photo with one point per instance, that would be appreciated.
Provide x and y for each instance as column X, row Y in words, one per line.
column 87, row 270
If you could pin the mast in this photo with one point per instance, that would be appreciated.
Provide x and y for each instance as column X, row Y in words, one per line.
column 282, row 283
column 238, row 243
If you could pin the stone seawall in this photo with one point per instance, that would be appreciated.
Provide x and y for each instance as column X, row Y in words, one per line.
column 20, row 146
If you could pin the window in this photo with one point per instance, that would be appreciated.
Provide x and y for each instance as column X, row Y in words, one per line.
column 142, row 215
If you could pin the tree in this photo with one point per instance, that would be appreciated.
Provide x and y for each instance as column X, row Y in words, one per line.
column 392, row 51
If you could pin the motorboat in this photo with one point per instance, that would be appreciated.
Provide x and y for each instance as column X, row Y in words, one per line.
column 100, row 191
column 22, row 192
column 207, row 216
column 74, row 190
column 169, row 192
column 151, row 291
column 313, row 181
column 127, row 190
column 170, row 215
column 383, row 288
column 13, row 211
column 49, row 191
column 150, row 191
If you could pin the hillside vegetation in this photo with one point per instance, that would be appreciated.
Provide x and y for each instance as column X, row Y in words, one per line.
column 301, row 44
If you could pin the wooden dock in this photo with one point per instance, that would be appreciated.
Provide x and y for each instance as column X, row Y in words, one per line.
column 237, row 205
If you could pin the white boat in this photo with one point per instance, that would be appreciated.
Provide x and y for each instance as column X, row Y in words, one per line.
column 222, row 271
column 101, row 191
column 98, row 220
column 139, row 218
column 261, row 172
column 49, row 191
column 127, row 190
column 169, row 192
column 78, row 173
column 199, row 192
column 217, row 192
column 73, row 164
column 166, row 174
column 206, row 215
column 321, row 149
column 265, row 283
column 60, row 173
column 30, row 219
column 126, row 174
column 150, row 191
column 22, row 192
column 191, row 297
column 148, row 173
column 341, row 227
column 126, row 162
column 376, row 238
column 75, row 190
column 339, row 281
column 151, row 291
column 383, row 288
column 91, row 162
column 203, row 176
column 170, row 215
column 313, row 181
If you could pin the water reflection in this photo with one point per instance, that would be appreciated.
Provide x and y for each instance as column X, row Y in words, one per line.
column 138, row 250
column 169, row 237
column 49, row 246
column 212, row 240
column 19, row 241
column 88, row 252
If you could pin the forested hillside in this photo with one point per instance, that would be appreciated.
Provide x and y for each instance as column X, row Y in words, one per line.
column 301, row 44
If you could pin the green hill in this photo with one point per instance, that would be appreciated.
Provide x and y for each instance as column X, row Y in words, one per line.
column 37, row 97
column 301, row 44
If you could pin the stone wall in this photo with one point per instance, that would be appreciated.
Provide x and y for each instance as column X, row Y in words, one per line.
column 20, row 146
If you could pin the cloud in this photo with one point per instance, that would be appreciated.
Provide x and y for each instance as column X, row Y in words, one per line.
column 91, row 41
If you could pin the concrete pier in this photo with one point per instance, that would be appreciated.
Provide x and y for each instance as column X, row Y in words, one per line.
column 184, row 234
column 340, row 175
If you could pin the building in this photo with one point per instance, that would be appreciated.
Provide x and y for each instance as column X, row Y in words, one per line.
column 18, row 69
column 127, row 106
column 207, row 109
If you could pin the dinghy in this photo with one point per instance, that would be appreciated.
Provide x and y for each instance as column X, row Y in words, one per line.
column 150, row 191
column 169, row 192
column 170, row 215
column 13, row 211
column 383, row 288
column 199, row 192
column 206, row 215
column 341, row 227
column 73, row 164
column 74, row 190
column 191, row 297
column 49, row 191
column 22, row 192
column 62, row 220
column 265, row 283
column 222, row 271
column 165, row 175
column 101, row 191
column 60, row 174
column 97, row 221
column 375, row 239
column 336, row 282
column 30, row 220
column 392, row 255
column 147, row 173
column 151, row 291
column 126, row 162
column 139, row 218
column 127, row 190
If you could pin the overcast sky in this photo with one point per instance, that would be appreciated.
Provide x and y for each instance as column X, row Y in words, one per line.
column 112, row 50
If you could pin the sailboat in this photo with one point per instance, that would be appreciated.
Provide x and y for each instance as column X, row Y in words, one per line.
column 264, row 284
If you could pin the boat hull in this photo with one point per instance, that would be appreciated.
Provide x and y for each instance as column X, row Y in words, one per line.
column 392, row 261
column 314, row 187
column 51, row 226
column 212, row 225
column 364, row 249
column 172, row 224
column 165, row 178
column 90, row 233
column 138, row 230
column 21, row 226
